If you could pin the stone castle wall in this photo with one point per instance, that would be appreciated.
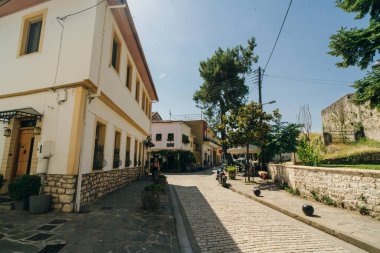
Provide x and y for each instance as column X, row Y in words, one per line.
column 349, row 188
column 97, row 184
column 62, row 189
column 343, row 119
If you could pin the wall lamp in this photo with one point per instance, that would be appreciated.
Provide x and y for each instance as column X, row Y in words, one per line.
column 7, row 131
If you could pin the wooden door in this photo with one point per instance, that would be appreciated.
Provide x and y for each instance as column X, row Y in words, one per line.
column 25, row 151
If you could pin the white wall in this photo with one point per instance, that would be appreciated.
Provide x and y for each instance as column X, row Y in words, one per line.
column 112, row 83
column 56, row 123
column 98, row 110
column 178, row 128
column 38, row 70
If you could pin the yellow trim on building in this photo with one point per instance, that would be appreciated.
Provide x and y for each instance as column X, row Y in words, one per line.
column 76, row 131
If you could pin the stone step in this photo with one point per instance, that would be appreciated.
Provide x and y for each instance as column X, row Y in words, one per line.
column 5, row 203
column 5, row 206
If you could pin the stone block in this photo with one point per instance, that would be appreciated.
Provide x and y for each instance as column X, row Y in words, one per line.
column 47, row 189
column 57, row 206
column 63, row 181
column 68, row 186
column 51, row 183
column 71, row 181
column 66, row 199
column 376, row 209
column 54, row 189
column 58, row 184
column 61, row 190
column 67, row 208
column 70, row 191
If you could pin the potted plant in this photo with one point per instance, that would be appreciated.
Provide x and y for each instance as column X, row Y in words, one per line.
column 231, row 172
column 150, row 196
column 2, row 181
column 162, row 180
column 263, row 174
column 21, row 188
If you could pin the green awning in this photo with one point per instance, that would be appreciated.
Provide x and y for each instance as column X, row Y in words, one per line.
column 6, row 116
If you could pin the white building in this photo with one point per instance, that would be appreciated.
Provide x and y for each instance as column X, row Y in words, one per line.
column 79, row 69
column 171, row 135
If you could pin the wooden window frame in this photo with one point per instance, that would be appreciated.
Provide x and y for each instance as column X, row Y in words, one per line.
column 137, row 92
column 116, row 147
column 128, row 144
column 129, row 75
column 116, row 38
column 27, row 20
column 104, row 124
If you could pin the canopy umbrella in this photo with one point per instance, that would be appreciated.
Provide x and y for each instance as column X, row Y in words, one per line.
column 243, row 150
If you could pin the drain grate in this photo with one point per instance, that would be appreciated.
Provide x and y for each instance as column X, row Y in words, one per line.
column 106, row 208
column 39, row 237
column 57, row 221
column 54, row 248
column 47, row 227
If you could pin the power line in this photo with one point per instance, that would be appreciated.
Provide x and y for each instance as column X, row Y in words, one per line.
column 311, row 81
column 278, row 36
column 308, row 78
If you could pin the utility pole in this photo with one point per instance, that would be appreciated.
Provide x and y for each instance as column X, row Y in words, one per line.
column 260, row 98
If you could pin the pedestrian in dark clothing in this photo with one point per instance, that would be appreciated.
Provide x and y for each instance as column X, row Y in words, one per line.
column 155, row 169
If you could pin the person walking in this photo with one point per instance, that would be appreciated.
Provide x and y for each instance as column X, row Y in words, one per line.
column 155, row 169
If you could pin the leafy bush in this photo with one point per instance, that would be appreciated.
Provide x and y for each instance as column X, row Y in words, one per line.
column 24, row 186
column 1, row 180
column 231, row 169
column 310, row 152
column 292, row 191
column 327, row 200
column 154, row 188
column 315, row 196
column 161, row 176
column 363, row 210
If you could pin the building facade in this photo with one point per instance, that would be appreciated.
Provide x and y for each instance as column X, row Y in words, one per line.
column 344, row 120
column 75, row 97
column 207, row 148
column 171, row 135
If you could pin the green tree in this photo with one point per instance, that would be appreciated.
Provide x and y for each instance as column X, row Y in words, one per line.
column 282, row 139
column 310, row 153
column 249, row 125
column 359, row 46
column 223, row 87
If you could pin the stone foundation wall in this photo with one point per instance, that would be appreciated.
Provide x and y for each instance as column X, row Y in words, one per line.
column 348, row 188
column 97, row 184
column 62, row 188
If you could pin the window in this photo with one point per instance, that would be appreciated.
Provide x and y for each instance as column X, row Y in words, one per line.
column 171, row 137
column 100, row 135
column 32, row 33
column 137, row 95
column 147, row 106
column 116, row 50
column 158, row 137
column 140, row 153
column 185, row 139
column 135, row 155
column 143, row 102
column 116, row 151
column 128, row 79
column 128, row 152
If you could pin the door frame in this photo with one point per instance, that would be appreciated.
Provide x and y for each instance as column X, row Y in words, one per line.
column 18, row 146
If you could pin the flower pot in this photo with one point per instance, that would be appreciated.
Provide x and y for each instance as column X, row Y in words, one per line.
column 308, row 210
column 257, row 192
column 232, row 175
column 21, row 204
column 40, row 203
column 150, row 200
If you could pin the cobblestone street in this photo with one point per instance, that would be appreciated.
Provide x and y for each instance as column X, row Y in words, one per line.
column 224, row 221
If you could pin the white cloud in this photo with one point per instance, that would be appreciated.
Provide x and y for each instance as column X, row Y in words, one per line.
column 162, row 76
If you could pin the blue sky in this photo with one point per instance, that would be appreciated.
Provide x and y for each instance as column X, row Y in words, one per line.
column 177, row 34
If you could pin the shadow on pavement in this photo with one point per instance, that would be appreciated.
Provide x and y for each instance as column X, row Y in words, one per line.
column 205, row 230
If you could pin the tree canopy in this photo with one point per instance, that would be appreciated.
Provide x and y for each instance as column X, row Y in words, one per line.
column 223, row 87
column 359, row 46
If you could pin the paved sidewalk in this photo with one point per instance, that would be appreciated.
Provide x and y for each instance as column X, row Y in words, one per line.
column 222, row 221
column 115, row 223
column 361, row 231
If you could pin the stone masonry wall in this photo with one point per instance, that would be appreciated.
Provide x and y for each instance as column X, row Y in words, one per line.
column 97, row 184
column 349, row 188
column 343, row 118
column 62, row 188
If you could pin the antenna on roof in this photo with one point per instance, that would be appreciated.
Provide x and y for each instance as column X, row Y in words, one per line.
column 170, row 114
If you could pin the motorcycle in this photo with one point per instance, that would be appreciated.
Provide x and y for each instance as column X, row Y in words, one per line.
column 221, row 176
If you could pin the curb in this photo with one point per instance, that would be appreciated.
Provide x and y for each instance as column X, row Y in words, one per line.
column 190, row 234
column 345, row 237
